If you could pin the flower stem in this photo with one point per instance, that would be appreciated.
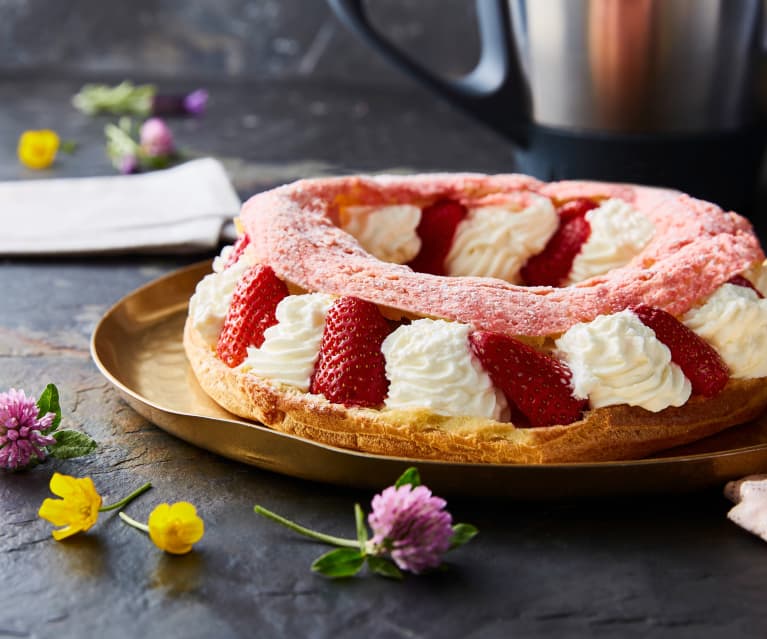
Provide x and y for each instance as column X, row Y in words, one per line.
column 328, row 539
column 132, row 522
column 127, row 499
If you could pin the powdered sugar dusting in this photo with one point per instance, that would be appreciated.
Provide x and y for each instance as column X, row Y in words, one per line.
column 696, row 247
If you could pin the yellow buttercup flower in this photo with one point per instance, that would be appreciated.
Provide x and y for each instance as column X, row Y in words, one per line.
column 78, row 508
column 37, row 149
column 175, row 528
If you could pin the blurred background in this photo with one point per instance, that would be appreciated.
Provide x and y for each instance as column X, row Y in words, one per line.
column 294, row 93
column 286, row 75
column 248, row 40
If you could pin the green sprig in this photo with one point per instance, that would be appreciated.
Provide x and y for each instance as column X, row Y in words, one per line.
column 125, row 98
column 72, row 443
column 121, row 141
column 410, row 477
column 49, row 403
column 69, row 443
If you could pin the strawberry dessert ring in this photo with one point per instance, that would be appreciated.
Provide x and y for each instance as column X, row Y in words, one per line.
column 476, row 318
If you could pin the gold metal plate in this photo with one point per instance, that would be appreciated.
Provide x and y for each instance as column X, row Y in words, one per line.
column 137, row 346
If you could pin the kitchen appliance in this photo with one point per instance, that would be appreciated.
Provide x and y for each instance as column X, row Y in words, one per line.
column 662, row 92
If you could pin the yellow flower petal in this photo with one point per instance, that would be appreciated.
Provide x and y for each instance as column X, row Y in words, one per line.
column 63, row 533
column 63, row 485
column 37, row 149
column 54, row 511
column 77, row 511
column 183, row 510
column 175, row 528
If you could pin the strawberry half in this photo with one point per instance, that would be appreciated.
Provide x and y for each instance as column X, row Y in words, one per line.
column 537, row 385
column 250, row 313
column 553, row 264
column 350, row 369
column 436, row 230
column 237, row 250
column 700, row 363
column 739, row 280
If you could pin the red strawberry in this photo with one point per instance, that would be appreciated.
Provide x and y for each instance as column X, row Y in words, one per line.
column 436, row 230
column 576, row 208
column 739, row 280
column 350, row 367
column 538, row 385
column 553, row 264
column 698, row 360
column 250, row 313
column 239, row 248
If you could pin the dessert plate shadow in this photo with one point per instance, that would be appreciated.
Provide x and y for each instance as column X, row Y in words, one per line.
column 137, row 346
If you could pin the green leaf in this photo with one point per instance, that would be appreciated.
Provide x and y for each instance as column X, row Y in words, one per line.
column 410, row 476
column 68, row 146
column 71, row 443
column 462, row 533
column 49, row 403
column 156, row 162
column 120, row 141
column 362, row 531
column 384, row 567
column 339, row 563
column 117, row 100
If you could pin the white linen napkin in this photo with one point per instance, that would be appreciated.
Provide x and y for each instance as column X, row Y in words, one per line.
column 182, row 209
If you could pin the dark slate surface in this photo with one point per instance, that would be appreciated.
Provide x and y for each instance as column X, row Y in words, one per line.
column 658, row 566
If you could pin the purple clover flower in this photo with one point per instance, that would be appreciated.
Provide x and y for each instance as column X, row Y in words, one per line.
column 129, row 165
column 21, row 435
column 412, row 526
column 193, row 104
column 196, row 102
column 156, row 138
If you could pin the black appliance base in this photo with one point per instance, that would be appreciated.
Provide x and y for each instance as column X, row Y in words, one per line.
column 722, row 168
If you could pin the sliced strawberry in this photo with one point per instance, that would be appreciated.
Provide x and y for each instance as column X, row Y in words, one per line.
column 739, row 280
column 576, row 208
column 538, row 385
column 436, row 230
column 698, row 360
column 553, row 264
column 239, row 248
column 350, row 366
column 250, row 313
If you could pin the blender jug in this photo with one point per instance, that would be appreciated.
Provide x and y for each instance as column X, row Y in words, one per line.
column 662, row 92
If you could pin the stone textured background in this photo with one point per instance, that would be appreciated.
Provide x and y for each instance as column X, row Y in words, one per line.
column 237, row 39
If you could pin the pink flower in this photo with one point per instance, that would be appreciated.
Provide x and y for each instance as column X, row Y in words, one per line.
column 156, row 138
column 129, row 165
column 20, row 430
column 193, row 103
column 412, row 526
column 196, row 102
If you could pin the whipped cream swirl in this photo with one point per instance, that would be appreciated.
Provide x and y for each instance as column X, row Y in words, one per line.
column 386, row 232
column 495, row 241
column 618, row 233
column 616, row 359
column 212, row 296
column 219, row 262
column 429, row 365
column 734, row 321
column 292, row 345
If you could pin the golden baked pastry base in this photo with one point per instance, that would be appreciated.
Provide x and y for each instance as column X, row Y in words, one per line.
column 137, row 345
